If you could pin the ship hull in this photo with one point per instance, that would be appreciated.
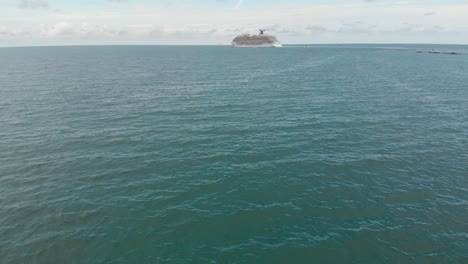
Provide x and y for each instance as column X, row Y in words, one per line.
column 264, row 45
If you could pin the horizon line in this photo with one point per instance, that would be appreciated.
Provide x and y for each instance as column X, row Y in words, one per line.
column 210, row 45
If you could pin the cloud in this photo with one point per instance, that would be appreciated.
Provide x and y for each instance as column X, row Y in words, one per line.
column 59, row 29
column 34, row 4
column 80, row 30
column 316, row 29
column 9, row 33
column 380, row 21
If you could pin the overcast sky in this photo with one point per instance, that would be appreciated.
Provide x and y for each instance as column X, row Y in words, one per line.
column 82, row 22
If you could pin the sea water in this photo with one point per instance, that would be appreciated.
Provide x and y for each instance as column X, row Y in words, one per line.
column 305, row 154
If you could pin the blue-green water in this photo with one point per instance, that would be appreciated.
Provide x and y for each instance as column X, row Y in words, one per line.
column 338, row 154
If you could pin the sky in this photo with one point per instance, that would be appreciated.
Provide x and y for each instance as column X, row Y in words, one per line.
column 213, row 22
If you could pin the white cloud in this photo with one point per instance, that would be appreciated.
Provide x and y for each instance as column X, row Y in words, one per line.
column 57, row 30
column 12, row 33
column 34, row 4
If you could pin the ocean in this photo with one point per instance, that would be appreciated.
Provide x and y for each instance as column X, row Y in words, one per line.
column 211, row 154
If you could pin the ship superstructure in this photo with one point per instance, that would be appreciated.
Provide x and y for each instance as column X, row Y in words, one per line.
column 261, row 40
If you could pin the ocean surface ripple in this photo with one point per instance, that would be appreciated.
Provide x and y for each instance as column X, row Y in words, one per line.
column 147, row 154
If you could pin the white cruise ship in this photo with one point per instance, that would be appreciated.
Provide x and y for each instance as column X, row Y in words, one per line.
column 261, row 40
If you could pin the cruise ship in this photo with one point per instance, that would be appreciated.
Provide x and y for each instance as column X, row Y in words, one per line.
column 261, row 40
